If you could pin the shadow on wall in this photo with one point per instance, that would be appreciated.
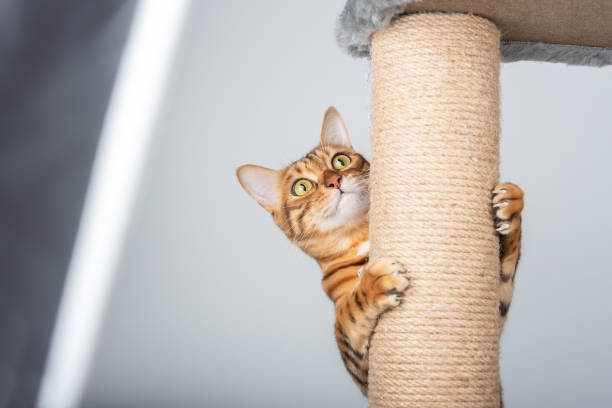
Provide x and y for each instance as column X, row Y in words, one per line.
column 57, row 66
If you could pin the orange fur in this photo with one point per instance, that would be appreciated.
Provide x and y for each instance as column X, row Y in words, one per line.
column 361, row 290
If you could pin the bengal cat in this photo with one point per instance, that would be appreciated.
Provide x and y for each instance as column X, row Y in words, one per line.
column 321, row 203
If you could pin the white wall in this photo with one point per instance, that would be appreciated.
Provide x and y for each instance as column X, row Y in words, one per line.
column 214, row 307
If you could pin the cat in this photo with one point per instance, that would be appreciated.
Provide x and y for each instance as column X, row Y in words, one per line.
column 321, row 203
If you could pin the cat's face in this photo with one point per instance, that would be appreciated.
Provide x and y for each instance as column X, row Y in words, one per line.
column 326, row 190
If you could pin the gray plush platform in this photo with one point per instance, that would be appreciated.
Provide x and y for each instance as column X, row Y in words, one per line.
column 535, row 30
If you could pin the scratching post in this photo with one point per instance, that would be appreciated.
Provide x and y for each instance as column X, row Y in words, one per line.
column 435, row 130
column 435, row 155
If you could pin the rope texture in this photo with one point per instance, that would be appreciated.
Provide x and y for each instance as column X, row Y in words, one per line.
column 435, row 160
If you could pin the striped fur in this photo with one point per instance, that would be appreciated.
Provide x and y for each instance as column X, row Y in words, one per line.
column 330, row 223
column 507, row 206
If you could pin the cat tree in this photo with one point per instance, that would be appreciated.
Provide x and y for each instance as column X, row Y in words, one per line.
column 435, row 159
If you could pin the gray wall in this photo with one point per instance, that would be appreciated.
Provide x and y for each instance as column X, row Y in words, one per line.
column 57, row 66
column 214, row 307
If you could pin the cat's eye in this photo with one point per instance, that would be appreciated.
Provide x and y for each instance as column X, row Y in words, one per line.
column 340, row 161
column 301, row 187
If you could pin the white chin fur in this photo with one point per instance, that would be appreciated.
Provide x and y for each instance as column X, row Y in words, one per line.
column 350, row 207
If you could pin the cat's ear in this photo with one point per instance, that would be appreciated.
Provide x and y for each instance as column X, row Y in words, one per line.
column 333, row 132
column 261, row 184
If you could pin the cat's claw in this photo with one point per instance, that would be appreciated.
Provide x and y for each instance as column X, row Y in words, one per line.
column 507, row 204
column 387, row 281
column 502, row 227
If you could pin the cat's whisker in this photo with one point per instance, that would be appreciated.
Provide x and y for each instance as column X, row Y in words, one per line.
column 312, row 234
column 315, row 227
column 287, row 222
column 286, row 225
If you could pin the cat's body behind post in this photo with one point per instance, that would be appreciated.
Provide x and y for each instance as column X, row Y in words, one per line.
column 321, row 203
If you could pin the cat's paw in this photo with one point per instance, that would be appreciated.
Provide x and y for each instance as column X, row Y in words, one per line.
column 507, row 205
column 384, row 282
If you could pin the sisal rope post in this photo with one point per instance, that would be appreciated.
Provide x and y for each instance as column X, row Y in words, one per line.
column 435, row 159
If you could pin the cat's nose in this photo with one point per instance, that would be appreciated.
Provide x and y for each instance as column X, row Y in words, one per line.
column 333, row 181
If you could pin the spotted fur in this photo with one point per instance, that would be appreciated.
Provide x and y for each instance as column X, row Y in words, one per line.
column 330, row 223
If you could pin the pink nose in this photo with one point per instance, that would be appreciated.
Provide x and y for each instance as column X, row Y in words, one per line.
column 333, row 181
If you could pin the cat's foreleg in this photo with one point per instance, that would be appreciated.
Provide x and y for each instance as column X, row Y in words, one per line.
column 380, row 288
column 507, row 206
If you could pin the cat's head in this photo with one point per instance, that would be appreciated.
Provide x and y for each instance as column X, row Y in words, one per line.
column 326, row 190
